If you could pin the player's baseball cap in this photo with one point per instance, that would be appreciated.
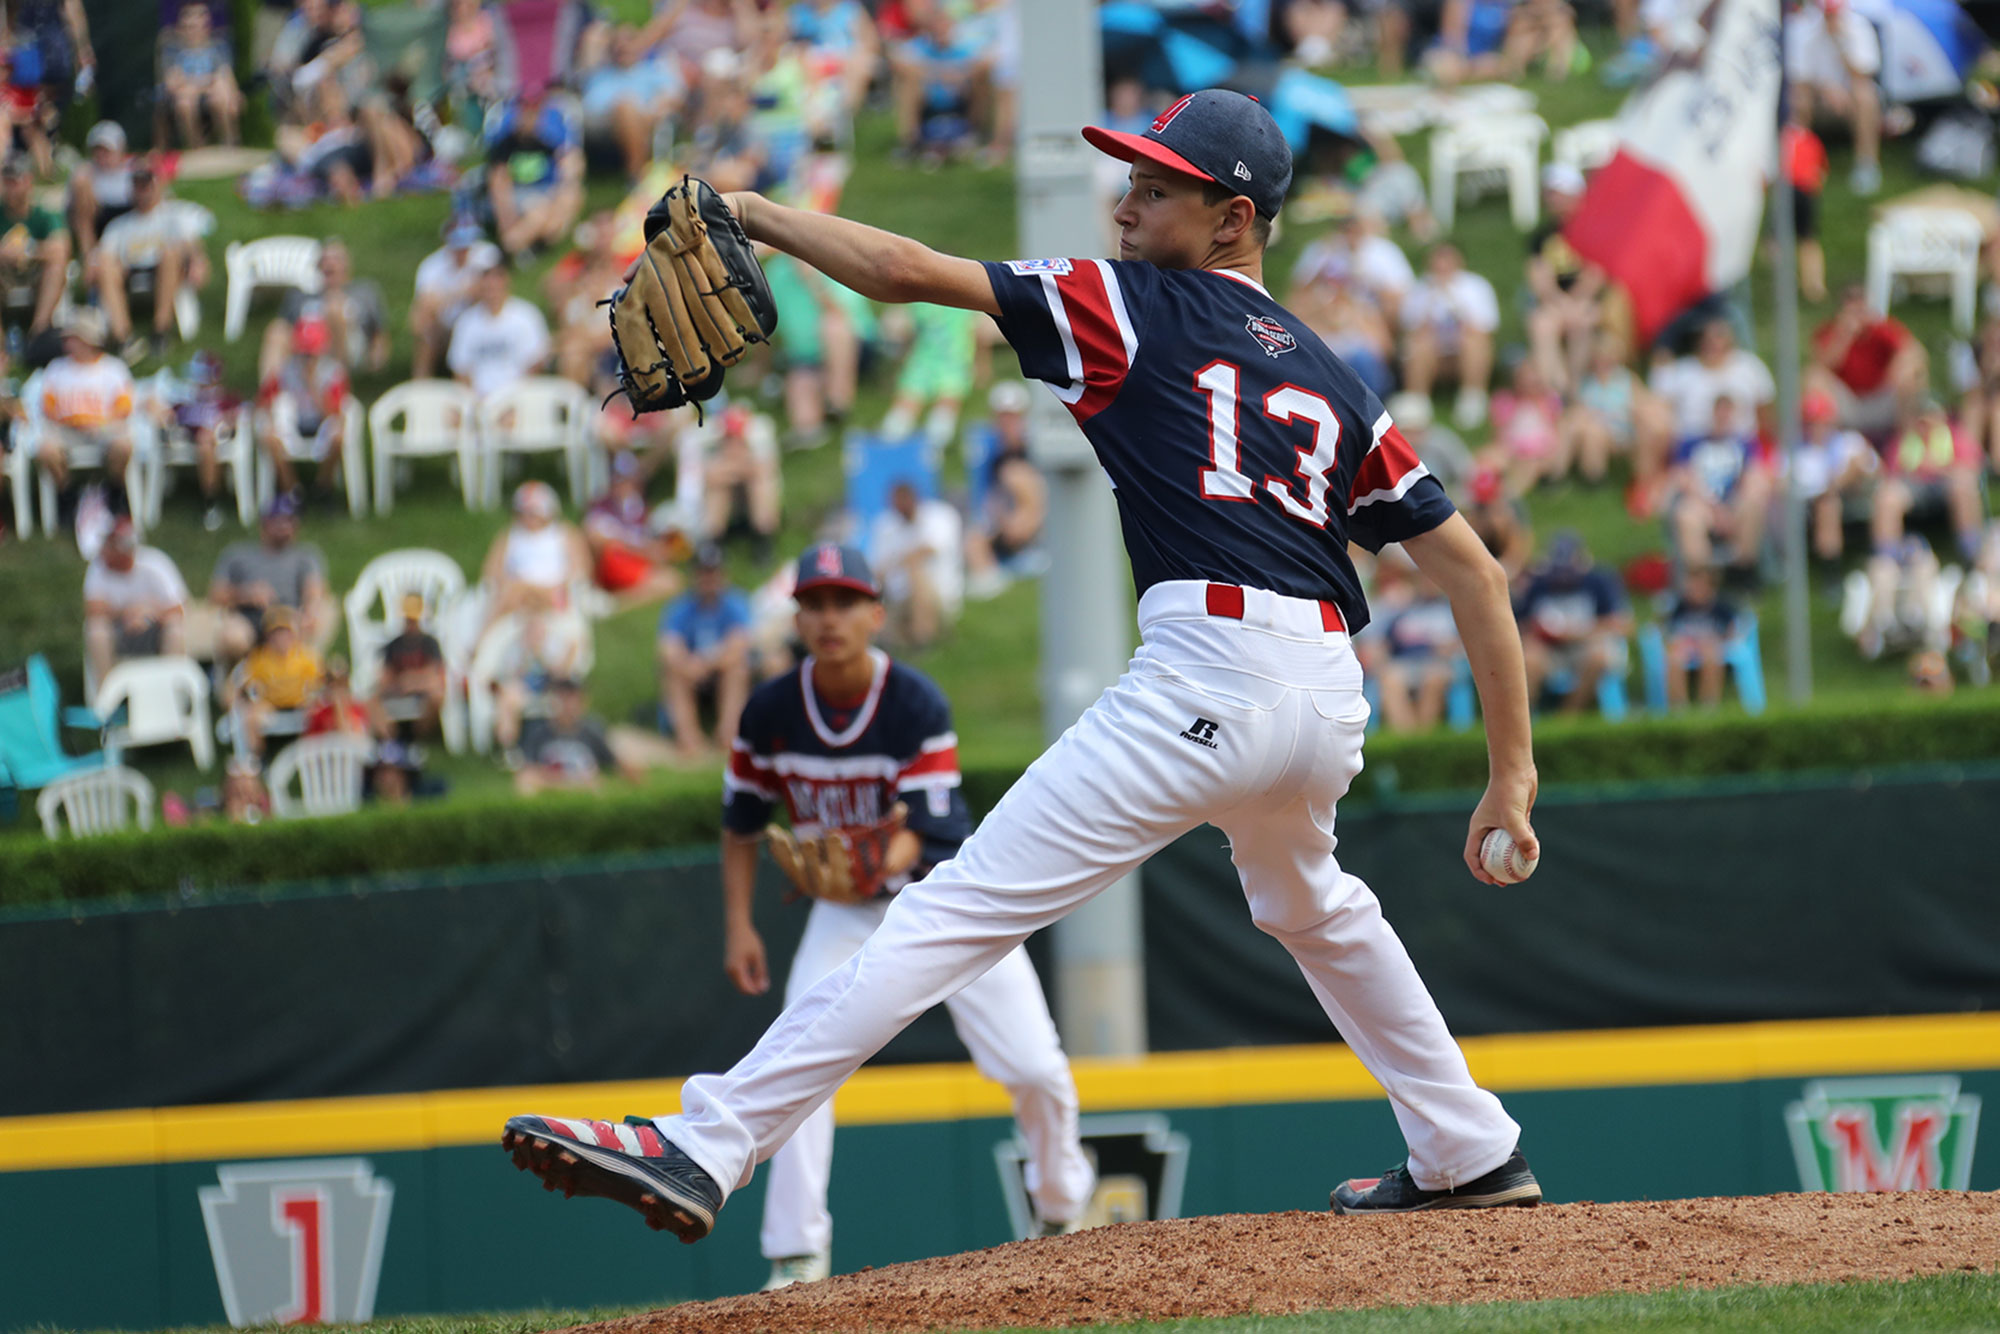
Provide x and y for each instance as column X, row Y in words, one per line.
column 830, row 565
column 1218, row 136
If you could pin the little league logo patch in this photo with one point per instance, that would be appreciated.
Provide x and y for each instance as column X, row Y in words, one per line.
column 1913, row 1133
column 1025, row 267
column 297, row 1243
column 1272, row 336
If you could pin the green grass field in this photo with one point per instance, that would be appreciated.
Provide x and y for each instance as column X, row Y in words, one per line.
column 1947, row 1304
column 989, row 665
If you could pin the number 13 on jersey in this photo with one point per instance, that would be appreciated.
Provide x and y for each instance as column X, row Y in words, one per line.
column 1225, row 480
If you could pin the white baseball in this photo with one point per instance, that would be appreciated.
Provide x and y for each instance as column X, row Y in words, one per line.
column 1502, row 858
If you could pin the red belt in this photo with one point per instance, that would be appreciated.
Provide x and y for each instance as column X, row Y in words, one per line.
column 1226, row 600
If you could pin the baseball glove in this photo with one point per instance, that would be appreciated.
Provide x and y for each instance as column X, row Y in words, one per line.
column 838, row 865
column 695, row 302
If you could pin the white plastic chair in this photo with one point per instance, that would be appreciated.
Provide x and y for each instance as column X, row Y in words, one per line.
column 353, row 458
column 424, row 419
column 1502, row 149
column 330, row 771
column 174, row 448
column 540, row 414
column 165, row 699
column 1926, row 243
column 1587, row 145
column 98, row 801
column 269, row 261
column 375, row 616
column 139, row 480
column 490, row 659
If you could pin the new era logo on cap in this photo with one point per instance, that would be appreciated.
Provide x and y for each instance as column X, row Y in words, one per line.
column 1242, row 172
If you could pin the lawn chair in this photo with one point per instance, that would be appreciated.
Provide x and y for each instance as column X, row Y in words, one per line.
column 268, row 261
column 874, row 466
column 539, row 414
column 424, row 419
column 31, row 723
column 1741, row 652
column 163, row 699
column 102, row 801
column 374, row 605
column 330, row 771
column 235, row 448
column 353, row 459
column 1503, row 149
column 1926, row 243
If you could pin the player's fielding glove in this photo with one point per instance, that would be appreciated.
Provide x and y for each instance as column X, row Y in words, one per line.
column 838, row 865
column 695, row 302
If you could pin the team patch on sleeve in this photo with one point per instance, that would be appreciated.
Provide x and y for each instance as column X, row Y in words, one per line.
column 1025, row 267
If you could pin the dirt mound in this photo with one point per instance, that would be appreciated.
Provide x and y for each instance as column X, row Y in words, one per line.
column 1272, row 1263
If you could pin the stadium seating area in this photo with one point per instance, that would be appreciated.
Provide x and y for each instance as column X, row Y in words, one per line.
column 192, row 355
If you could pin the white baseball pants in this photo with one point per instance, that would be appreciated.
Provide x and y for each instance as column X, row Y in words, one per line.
column 1283, row 695
column 1003, row 1019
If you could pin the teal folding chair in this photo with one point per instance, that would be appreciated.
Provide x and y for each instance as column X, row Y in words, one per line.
column 31, row 722
column 1742, row 652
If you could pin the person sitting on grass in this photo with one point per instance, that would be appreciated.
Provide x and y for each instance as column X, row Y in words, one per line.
column 1833, row 463
column 87, row 401
column 1574, row 619
column 280, row 676
column 704, row 655
column 303, row 414
column 410, row 690
column 1931, row 463
column 1720, row 490
column 628, row 559
column 195, row 72
column 134, row 602
column 1698, row 625
column 1422, row 647
column 569, row 748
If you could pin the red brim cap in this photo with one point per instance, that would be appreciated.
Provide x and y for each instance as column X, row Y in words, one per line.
column 861, row 586
column 1126, row 147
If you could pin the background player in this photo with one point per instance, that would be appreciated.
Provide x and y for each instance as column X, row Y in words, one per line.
column 839, row 742
column 1244, row 458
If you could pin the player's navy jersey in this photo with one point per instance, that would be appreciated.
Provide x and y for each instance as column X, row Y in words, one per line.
column 1242, row 450
column 843, row 766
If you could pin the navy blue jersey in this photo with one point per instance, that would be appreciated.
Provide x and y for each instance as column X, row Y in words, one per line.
column 1242, row 450
column 843, row 766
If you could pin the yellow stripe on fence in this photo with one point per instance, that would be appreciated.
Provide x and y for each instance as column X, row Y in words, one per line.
column 1611, row 1058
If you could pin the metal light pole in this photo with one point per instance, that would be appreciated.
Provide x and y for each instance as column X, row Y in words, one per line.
column 1785, row 283
column 1086, row 603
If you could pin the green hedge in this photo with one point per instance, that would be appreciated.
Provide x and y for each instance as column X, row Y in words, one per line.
column 683, row 810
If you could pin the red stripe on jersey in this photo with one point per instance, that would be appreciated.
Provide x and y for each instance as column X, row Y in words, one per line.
column 1100, row 345
column 1384, row 468
column 930, row 764
column 750, row 769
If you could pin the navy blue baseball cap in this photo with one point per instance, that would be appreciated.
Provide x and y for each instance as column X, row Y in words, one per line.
column 1215, row 135
column 830, row 565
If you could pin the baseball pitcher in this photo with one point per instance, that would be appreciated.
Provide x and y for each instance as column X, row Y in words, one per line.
column 1245, row 457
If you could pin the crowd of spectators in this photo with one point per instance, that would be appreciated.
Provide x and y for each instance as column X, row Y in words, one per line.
column 763, row 96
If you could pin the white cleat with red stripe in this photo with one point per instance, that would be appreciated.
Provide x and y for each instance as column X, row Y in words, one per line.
column 631, row 1163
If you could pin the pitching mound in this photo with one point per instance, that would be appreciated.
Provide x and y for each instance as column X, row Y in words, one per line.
column 1272, row 1263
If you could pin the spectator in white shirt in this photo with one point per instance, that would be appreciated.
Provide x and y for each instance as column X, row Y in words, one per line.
column 147, row 254
column 1448, row 323
column 1718, row 369
column 917, row 546
column 446, row 281
column 1361, row 256
column 1831, row 59
column 134, row 602
column 86, row 402
column 500, row 339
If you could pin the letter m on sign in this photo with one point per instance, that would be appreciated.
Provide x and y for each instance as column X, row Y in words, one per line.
column 1915, row 1133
